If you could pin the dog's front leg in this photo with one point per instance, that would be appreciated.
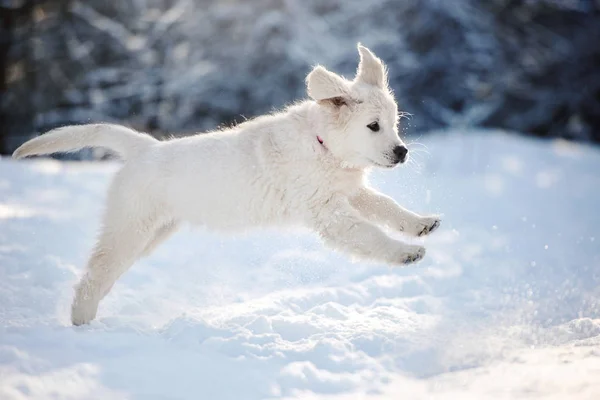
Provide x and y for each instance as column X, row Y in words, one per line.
column 383, row 209
column 342, row 228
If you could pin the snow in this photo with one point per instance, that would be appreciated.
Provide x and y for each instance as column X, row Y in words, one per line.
column 504, row 306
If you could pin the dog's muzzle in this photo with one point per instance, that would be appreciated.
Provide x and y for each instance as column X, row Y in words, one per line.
column 400, row 154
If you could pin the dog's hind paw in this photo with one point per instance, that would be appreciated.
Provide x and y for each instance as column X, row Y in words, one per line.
column 83, row 312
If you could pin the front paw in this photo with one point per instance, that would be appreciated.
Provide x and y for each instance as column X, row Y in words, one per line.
column 424, row 226
column 412, row 254
column 428, row 225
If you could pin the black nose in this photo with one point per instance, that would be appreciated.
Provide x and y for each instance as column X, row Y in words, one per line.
column 400, row 152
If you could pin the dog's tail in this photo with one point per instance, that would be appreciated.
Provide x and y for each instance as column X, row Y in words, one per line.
column 125, row 142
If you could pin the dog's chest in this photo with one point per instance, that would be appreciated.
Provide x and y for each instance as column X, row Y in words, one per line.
column 312, row 187
column 292, row 191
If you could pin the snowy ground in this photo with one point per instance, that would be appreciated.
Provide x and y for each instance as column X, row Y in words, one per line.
column 505, row 305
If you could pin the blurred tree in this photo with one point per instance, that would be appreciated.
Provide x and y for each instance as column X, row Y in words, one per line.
column 179, row 66
column 14, row 15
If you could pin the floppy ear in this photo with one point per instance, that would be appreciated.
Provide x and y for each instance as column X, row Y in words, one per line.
column 371, row 69
column 325, row 85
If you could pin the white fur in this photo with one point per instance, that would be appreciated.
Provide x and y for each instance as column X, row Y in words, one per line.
column 270, row 171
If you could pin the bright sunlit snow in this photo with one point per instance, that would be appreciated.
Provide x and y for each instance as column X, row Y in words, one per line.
column 504, row 305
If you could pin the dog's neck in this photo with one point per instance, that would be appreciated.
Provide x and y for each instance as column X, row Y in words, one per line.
column 312, row 120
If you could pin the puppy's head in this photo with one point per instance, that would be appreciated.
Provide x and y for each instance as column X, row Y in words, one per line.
column 359, row 117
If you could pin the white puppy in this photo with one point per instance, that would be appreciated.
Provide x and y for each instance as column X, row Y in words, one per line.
column 305, row 166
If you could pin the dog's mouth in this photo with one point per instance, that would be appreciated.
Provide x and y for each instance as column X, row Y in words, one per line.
column 378, row 164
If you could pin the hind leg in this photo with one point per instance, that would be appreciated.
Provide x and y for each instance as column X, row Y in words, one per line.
column 130, row 224
column 161, row 234
column 118, row 247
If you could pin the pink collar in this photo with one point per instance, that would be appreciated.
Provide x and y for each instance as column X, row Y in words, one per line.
column 321, row 141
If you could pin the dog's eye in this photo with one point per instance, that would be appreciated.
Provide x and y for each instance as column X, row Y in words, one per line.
column 374, row 126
